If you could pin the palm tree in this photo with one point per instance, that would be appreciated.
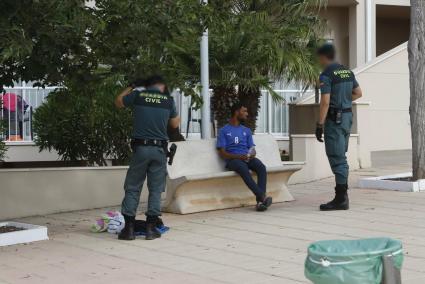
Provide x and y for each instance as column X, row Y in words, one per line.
column 252, row 44
column 256, row 43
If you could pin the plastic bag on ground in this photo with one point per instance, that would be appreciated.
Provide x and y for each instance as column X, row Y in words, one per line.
column 351, row 261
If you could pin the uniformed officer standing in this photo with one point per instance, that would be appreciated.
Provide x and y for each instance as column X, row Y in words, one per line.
column 153, row 110
column 339, row 89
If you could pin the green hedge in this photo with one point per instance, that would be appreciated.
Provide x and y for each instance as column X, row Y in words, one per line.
column 82, row 123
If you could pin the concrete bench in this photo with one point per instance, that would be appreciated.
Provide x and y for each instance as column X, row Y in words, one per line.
column 198, row 180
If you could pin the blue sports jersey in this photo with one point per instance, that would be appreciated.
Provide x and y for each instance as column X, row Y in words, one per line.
column 235, row 139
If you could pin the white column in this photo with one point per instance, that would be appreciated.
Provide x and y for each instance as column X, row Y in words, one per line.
column 206, row 109
column 269, row 114
column 369, row 30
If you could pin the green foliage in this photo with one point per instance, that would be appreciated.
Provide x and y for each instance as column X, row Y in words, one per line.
column 82, row 123
column 44, row 41
column 262, row 41
column 259, row 42
column 139, row 38
column 254, row 43
column 86, row 50
column 94, row 52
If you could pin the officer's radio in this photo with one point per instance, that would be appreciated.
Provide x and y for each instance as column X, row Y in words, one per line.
column 338, row 116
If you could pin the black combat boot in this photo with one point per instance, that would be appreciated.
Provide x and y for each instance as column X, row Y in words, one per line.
column 340, row 202
column 127, row 233
column 151, row 231
column 159, row 223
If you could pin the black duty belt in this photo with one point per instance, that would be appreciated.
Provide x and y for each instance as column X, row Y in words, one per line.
column 157, row 143
column 335, row 114
column 334, row 110
column 149, row 142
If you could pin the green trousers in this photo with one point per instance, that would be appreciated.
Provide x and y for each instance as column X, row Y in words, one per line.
column 150, row 162
column 336, row 144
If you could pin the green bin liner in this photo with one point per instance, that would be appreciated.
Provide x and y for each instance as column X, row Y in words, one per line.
column 351, row 261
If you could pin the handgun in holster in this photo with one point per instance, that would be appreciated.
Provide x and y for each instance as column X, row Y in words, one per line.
column 336, row 114
column 171, row 152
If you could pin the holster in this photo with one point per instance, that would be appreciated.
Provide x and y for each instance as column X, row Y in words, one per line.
column 335, row 114
column 171, row 152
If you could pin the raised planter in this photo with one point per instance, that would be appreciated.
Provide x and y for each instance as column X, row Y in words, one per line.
column 41, row 191
column 25, row 233
column 397, row 182
column 304, row 147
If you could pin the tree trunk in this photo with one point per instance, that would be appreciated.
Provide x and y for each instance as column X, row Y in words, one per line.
column 417, row 87
column 251, row 99
column 221, row 103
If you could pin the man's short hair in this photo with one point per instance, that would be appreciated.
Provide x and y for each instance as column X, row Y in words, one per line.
column 153, row 80
column 327, row 50
column 236, row 107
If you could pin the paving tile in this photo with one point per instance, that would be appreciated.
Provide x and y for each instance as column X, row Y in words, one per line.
column 227, row 246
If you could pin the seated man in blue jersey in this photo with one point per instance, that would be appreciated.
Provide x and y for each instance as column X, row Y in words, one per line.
column 236, row 146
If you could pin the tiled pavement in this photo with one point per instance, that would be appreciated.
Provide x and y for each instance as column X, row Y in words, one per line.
column 227, row 246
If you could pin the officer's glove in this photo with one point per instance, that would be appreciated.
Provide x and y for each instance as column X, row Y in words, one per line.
column 319, row 132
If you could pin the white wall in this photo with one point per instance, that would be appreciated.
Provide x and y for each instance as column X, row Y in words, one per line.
column 357, row 34
column 29, row 192
column 386, row 95
column 306, row 148
column 28, row 152
column 337, row 19
column 385, row 84
column 373, row 13
column 283, row 144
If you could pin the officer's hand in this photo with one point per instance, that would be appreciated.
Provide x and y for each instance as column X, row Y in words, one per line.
column 319, row 132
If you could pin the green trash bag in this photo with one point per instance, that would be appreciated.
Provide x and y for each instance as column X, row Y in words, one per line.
column 351, row 261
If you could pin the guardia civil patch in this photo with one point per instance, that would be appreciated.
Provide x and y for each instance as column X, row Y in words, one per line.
column 153, row 99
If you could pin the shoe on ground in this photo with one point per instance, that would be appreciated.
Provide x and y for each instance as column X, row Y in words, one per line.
column 159, row 223
column 151, row 231
column 264, row 205
column 340, row 202
column 128, row 233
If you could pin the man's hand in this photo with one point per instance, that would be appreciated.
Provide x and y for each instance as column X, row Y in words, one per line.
column 319, row 132
column 243, row 157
